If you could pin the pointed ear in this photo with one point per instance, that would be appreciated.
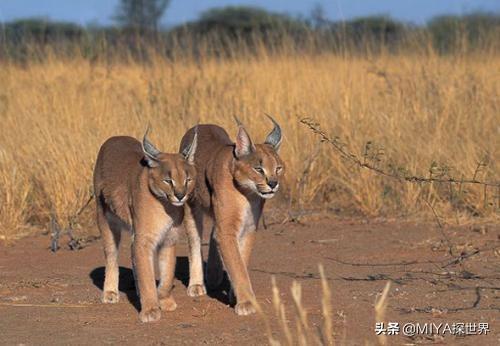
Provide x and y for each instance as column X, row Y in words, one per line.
column 243, row 145
column 274, row 137
column 190, row 150
column 150, row 151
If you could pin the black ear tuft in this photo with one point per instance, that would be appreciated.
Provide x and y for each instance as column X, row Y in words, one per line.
column 275, row 136
column 150, row 152
column 189, row 151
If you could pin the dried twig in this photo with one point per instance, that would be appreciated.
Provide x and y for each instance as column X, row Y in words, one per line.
column 405, row 176
column 91, row 197
column 56, row 231
column 441, row 228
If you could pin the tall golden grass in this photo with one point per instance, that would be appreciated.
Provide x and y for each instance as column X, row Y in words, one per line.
column 416, row 109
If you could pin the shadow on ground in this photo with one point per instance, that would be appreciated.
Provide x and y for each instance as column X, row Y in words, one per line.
column 127, row 283
column 182, row 274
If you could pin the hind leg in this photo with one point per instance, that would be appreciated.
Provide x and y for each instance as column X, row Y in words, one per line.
column 193, row 224
column 215, row 270
column 111, row 240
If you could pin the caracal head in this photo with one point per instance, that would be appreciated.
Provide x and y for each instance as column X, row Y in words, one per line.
column 258, row 167
column 171, row 177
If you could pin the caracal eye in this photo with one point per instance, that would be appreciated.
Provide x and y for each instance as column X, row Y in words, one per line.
column 259, row 170
column 279, row 169
column 167, row 181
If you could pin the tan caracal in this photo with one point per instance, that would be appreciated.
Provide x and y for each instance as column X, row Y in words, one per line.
column 140, row 189
column 232, row 183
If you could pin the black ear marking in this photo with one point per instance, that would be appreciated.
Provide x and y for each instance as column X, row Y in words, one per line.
column 189, row 151
column 275, row 136
column 150, row 152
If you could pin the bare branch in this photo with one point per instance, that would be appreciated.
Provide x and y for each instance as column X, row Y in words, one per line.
column 437, row 174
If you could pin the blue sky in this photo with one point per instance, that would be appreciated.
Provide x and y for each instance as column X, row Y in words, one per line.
column 101, row 11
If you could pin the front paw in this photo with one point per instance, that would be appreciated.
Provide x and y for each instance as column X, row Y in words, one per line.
column 110, row 297
column 196, row 290
column 168, row 304
column 244, row 309
column 150, row 315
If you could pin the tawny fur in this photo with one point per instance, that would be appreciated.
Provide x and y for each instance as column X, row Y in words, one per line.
column 233, row 180
column 142, row 190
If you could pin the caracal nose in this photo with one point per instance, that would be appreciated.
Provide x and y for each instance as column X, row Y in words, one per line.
column 272, row 183
column 179, row 195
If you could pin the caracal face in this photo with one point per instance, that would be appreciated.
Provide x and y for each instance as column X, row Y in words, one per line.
column 171, row 178
column 260, row 171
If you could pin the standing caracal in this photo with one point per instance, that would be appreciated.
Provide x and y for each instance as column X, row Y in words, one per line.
column 232, row 183
column 140, row 189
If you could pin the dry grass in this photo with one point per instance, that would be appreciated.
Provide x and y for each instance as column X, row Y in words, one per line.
column 416, row 109
column 380, row 308
column 302, row 333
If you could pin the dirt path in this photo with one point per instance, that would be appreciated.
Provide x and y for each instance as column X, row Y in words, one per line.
column 61, row 291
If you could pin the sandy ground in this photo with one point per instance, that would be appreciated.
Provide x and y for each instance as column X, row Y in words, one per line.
column 54, row 298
